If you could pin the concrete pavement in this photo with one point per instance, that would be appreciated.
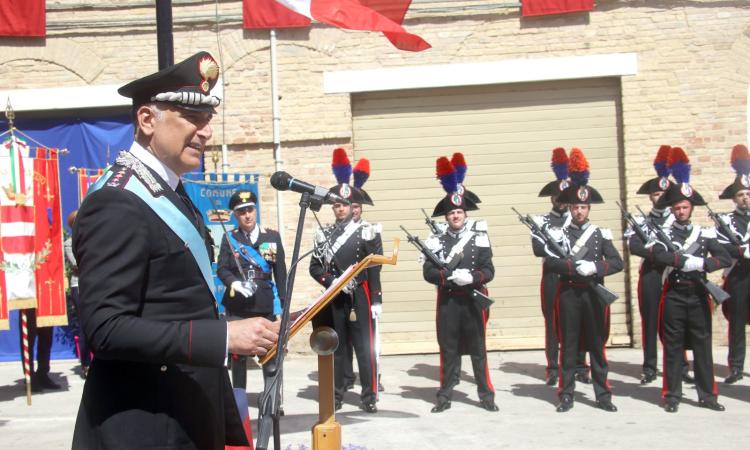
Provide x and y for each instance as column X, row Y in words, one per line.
column 527, row 417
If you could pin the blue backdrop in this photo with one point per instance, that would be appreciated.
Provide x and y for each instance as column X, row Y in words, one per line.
column 211, row 192
column 92, row 143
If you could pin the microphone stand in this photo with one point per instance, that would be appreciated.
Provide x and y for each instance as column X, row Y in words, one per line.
column 268, row 408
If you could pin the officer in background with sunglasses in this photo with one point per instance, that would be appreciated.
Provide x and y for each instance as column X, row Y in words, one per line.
column 252, row 267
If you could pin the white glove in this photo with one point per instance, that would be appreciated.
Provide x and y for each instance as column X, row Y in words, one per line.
column 461, row 277
column 238, row 287
column 376, row 309
column 556, row 233
column 746, row 253
column 585, row 268
column 693, row 264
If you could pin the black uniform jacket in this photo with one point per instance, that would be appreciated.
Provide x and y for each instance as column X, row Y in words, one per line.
column 601, row 251
column 158, row 378
column 364, row 241
column 737, row 222
column 713, row 254
column 477, row 258
column 554, row 220
column 268, row 245
column 643, row 249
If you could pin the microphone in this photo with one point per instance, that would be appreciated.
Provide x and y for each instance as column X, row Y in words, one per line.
column 282, row 181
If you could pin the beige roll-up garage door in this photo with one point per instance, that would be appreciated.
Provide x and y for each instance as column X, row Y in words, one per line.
column 507, row 133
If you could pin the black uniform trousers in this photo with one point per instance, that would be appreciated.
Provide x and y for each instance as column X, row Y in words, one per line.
column 461, row 327
column 736, row 310
column 551, row 343
column 686, row 317
column 352, row 320
column 42, row 336
column 649, row 299
column 239, row 362
column 583, row 322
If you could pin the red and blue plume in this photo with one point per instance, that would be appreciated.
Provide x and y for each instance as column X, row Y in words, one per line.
column 579, row 167
column 741, row 159
column 447, row 175
column 679, row 165
column 361, row 172
column 559, row 163
column 661, row 160
column 341, row 166
column 459, row 163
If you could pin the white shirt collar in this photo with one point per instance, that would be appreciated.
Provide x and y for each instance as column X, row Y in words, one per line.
column 157, row 166
column 254, row 234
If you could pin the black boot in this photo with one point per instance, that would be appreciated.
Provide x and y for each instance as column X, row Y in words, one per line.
column 734, row 376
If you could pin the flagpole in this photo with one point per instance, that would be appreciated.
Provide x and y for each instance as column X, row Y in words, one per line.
column 25, row 356
column 276, row 132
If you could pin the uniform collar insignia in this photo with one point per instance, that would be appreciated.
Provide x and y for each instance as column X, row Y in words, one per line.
column 679, row 226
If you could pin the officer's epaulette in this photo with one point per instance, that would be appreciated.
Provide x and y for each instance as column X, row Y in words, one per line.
column 708, row 232
column 606, row 233
column 120, row 176
column 134, row 165
column 369, row 230
column 480, row 226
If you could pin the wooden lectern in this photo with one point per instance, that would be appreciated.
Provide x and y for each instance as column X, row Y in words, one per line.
column 326, row 434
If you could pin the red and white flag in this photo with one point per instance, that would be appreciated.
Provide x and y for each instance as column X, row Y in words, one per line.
column 530, row 8
column 49, row 273
column 17, row 224
column 22, row 18
column 385, row 16
column 87, row 177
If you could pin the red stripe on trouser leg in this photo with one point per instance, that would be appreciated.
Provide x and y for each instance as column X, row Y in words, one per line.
column 485, row 318
column 660, row 332
column 558, row 330
column 373, row 364
column 437, row 333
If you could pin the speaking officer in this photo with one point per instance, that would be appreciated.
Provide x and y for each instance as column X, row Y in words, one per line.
column 685, row 305
column 251, row 266
column 557, row 218
column 737, row 280
column 158, row 379
column 337, row 247
column 650, row 273
column 583, row 319
column 461, row 321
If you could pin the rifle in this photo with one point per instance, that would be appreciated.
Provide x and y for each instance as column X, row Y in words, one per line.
column 430, row 223
column 634, row 224
column 483, row 300
column 723, row 227
column 714, row 290
column 605, row 295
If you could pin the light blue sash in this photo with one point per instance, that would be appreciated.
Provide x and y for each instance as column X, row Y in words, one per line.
column 251, row 255
column 175, row 220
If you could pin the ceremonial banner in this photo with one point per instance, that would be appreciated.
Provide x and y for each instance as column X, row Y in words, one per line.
column 17, row 224
column 51, row 307
column 22, row 18
column 385, row 16
column 87, row 177
column 531, row 8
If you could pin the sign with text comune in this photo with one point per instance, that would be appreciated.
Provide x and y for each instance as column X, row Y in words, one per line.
column 210, row 192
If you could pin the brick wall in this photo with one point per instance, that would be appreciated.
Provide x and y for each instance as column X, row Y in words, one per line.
column 690, row 91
